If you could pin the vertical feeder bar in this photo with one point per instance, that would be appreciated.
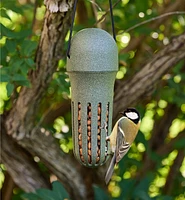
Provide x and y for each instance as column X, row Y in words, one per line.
column 92, row 68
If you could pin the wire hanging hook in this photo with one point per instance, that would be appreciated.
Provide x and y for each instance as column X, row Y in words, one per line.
column 72, row 23
column 112, row 20
column 71, row 28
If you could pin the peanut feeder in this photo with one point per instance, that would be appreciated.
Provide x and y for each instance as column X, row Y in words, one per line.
column 92, row 68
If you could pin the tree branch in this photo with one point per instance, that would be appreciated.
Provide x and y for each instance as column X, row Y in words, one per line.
column 61, row 109
column 60, row 164
column 7, row 188
column 161, row 126
column 21, row 167
column 136, row 41
column 169, row 147
column 27, row 176
column 104, row 15
column 162, row 151
column 153, row 19
column 127, row 93
column 174, row 171
column 82, row 13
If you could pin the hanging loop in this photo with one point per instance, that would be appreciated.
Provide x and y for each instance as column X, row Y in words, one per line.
column 72, row 24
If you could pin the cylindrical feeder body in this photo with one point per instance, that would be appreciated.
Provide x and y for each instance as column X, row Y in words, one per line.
column 92, row 68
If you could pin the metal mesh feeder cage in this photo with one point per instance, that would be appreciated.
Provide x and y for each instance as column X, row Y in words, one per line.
column 92, row 68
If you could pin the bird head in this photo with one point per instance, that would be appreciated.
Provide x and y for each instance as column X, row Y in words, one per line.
column 132, row 114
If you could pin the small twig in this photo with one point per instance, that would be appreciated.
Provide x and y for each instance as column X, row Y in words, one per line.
column 103, row 16
column 153, row 19
column 34, row 15
column 94, row 3
column 94, row 7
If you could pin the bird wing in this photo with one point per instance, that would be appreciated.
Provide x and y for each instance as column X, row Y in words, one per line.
column 122, row 146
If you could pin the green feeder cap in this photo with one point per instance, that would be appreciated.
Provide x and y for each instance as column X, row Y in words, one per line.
column 93, row 49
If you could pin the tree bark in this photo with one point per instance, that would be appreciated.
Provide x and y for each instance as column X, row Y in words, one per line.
column 7, row 189
column 20, row 165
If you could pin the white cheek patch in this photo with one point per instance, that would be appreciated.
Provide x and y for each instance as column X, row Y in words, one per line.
column 132, row 115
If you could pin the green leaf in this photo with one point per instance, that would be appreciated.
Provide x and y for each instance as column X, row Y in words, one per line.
column 59, row 190
column 179, row 144
column 6, row 32
column 168, row 94
column 30, row 62
column 5, row 78
column 45, row 194
column 11, row 5
column 4, row 13
column 10, row 45
column 141, row 7
column 10, row 88
column 27, row 47
column 19, row 77
column 3, row 54
column 16, row 64
column 164, row 198
column 30, row 196
column 11, row 34
column 127, row 187
column 24, row 83
column 142, row 195
column 5, row 75
column 57, row 193
column 141, row 189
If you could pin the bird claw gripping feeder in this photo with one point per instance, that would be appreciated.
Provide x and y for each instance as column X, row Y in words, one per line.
column 92, row 67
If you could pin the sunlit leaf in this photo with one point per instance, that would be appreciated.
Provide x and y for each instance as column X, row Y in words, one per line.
column 11, row 34
column 4, row 13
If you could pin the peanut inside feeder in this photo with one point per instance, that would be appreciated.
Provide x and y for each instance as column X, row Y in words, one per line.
column 92, row 68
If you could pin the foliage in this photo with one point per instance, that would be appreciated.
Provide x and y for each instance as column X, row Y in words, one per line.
column 144, row 171
column 57, row 193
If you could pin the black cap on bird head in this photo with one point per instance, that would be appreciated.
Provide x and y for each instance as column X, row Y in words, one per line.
column 132, row 114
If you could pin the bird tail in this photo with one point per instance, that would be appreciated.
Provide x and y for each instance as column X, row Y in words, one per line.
column 110, row 169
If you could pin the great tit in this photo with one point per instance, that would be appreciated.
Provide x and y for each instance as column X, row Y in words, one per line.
column 122, row 137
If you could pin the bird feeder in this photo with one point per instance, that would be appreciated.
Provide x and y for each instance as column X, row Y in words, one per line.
column 92, row 68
